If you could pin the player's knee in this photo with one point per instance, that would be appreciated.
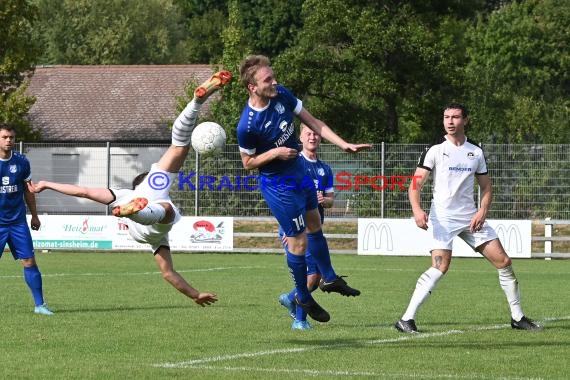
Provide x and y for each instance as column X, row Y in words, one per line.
column 297, row 244
column 170, row 213
column 503, row 262
column 443, row 268
column 30, row 262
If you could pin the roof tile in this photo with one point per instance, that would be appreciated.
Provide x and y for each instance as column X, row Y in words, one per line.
column 109, row 103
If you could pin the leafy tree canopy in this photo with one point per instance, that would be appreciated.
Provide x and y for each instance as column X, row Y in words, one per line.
column 17, row 55
column 518, row 73
column 91, row 32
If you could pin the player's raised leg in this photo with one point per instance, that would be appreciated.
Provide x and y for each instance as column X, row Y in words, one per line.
column 172, row 160
column 174, row 157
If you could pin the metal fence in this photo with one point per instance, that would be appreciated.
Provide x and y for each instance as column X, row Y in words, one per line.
column 529, row 181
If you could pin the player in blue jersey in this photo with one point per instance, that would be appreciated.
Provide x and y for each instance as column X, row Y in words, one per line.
column 322, row 176
column 267, row 142
column 15, row 172
column 147, row 207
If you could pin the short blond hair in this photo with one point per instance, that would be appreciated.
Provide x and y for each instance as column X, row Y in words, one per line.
column 248, row 68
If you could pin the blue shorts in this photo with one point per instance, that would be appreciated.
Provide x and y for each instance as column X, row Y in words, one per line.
column 289, row 205
column 19, row 241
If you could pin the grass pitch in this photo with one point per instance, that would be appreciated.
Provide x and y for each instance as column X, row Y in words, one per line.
column 116, row 318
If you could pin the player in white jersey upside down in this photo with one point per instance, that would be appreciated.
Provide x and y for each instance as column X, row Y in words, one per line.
column 147, row 208
column 455, row 164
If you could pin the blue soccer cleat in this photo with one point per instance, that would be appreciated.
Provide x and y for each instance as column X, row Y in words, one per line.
column 43, row 310
column 289, row 305
column 301, row 325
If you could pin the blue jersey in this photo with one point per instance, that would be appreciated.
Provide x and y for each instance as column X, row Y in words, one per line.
column 14, row 172
column 260, row 130
column 322, row 176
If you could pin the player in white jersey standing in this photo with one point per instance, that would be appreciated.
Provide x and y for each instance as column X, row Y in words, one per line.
column 455, row 164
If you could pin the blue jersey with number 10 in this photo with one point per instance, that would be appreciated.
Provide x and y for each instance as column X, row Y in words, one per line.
column 14, row 172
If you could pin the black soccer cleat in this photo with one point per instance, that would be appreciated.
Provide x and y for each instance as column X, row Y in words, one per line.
column 525, row 324
column 338, row 285
column 314, row 310
column 406, row 326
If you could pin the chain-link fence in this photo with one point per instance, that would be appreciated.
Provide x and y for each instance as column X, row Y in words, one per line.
column 529, row 181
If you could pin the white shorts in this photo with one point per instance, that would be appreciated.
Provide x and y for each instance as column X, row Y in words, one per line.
column 445, row 230
column 156, row 188
column 154, row 235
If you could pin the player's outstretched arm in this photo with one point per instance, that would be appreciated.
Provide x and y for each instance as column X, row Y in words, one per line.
column 101, row 195
column 328, row 134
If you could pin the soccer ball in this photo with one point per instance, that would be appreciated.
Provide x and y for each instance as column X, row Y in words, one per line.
column 208, row 138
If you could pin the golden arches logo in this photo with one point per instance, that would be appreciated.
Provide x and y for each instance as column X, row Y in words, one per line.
column 378, row 236
column 511, row 237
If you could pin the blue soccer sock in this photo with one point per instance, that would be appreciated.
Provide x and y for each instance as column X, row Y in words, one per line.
column 319, row 248
column 291, row 295
column 298, row 269
column 33, row 278
column 300, row 314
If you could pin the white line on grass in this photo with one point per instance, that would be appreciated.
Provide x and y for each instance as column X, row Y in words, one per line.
column 382, row 375
column 203, row 363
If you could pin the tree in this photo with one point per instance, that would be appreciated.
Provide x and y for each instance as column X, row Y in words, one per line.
column 375, row 73
column 228, row 112
column 270, row 26
column 204, row 21
column 92, row 32
column 18, row 52
column 518, row 73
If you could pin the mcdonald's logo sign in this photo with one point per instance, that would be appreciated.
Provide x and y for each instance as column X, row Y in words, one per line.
column 377, row 237
column 511, row 237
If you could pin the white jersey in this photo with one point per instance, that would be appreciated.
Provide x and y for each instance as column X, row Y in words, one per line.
column 453, row 170
column 156, row 188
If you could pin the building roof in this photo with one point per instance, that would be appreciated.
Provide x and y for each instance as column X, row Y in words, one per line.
column 109, row 103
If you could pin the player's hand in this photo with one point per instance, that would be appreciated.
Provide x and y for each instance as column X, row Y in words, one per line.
column 477, row 223
column 35, row 187
column 205, row 299
column 284, row 153
column 320, row 197
column 35, row 223
column 421, row 219
column 354, row 148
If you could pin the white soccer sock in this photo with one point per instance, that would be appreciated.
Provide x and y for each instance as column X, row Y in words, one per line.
column 510, row 286
column 426, row 283
column 185, row 123
column 151, row 214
